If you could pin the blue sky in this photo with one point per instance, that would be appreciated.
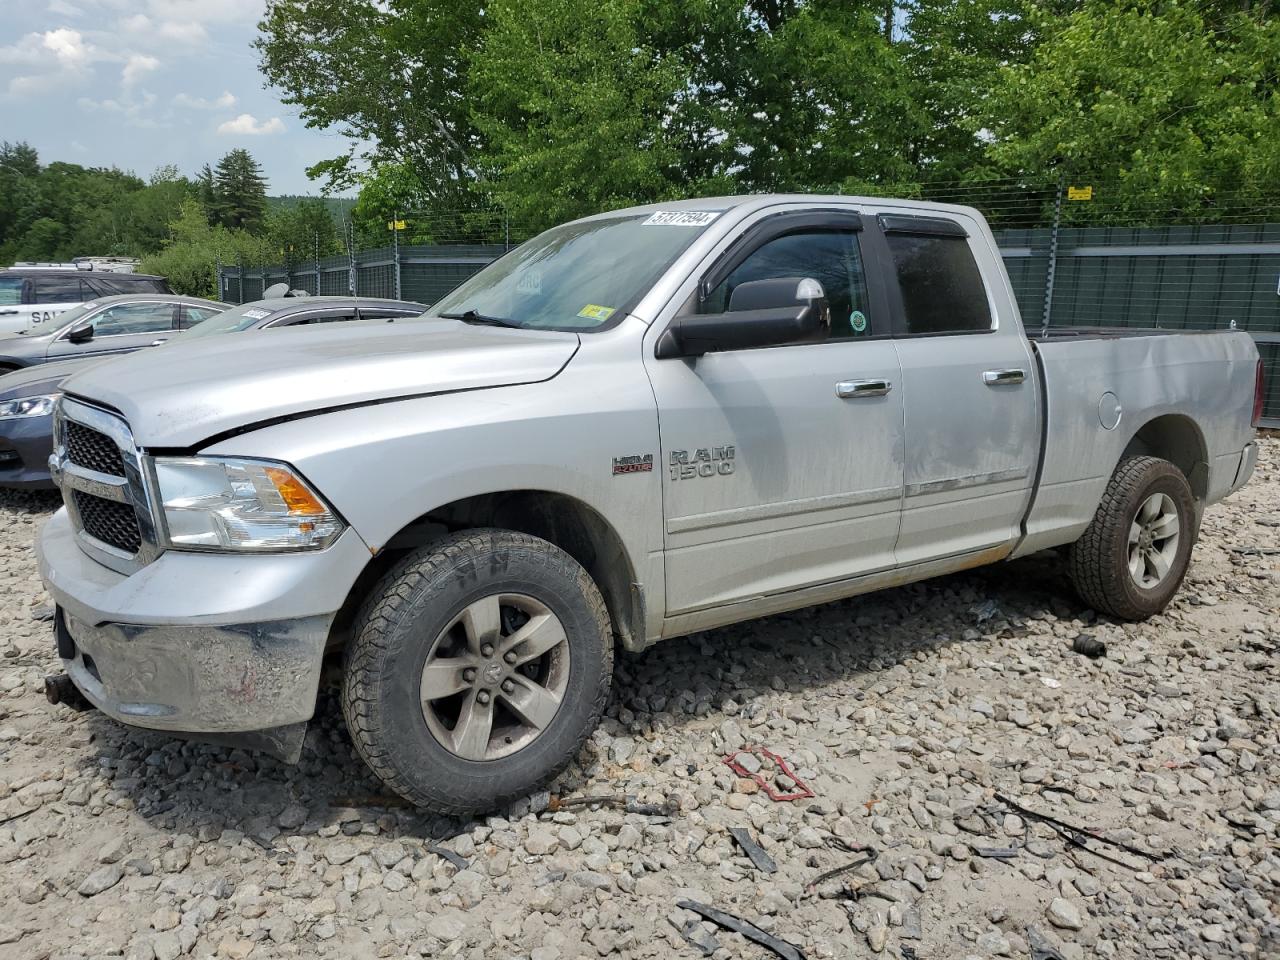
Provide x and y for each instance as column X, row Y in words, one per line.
column 141, row 83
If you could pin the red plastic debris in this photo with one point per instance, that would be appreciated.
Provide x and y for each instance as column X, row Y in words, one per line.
column 802, row 792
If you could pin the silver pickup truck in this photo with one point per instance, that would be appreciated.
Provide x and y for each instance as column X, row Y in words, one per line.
column 632, row 427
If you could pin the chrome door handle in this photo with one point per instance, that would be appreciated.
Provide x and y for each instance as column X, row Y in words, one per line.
column 156, row 343
column 999, row 378
column 857, row 389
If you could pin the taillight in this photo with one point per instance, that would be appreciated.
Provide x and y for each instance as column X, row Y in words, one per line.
column 1259, row 388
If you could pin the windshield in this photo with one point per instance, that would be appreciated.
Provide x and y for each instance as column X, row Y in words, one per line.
column 229, row 321
column 579, row 276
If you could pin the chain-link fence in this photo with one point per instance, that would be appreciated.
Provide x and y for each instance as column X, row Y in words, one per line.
column 1078, row 254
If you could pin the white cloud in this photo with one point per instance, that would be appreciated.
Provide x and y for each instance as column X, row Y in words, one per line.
column 133, row 111
column 145, row 30
column 55, row 58
column 134, row 68
column 60, row 8
column 224, row 102
column 67, row 46
column 248, row 125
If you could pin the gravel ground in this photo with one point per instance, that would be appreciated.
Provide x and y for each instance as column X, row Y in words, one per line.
column 917, row 716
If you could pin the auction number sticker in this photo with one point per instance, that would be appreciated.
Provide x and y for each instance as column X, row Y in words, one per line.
column 681, row 218
column 256, row 314
column 593, row 311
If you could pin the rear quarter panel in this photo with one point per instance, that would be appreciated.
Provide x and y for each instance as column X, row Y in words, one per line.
column 1207, row 378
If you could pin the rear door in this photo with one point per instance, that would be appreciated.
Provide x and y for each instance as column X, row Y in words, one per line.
column 969, row 389
column 782, row 465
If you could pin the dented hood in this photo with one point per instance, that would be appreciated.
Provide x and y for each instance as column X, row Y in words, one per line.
column 183, row 393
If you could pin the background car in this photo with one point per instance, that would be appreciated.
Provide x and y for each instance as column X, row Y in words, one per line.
column 27, row 396
column 33, row 294
column 105, row 326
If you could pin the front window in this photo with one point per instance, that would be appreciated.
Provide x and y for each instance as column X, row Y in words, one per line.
column 123, row 318
column 10, row 291
column 579, row 276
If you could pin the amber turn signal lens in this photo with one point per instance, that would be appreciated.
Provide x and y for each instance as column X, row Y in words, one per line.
column 300, row 501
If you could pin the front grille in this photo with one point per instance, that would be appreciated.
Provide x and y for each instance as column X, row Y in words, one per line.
column 88, row 448
column 110, row 522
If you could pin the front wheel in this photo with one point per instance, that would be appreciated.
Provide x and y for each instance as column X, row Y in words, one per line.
column 1131, row 559
column 479, row 666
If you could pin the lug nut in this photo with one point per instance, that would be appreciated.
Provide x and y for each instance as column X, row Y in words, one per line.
column 487, row 649
column 469, row 674
column 509, row 656
column 508, row 686
column 483, row 696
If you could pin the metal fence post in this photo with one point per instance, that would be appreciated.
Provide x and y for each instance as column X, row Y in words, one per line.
column 1052, row 266
column 317, row 262
column 395, row 239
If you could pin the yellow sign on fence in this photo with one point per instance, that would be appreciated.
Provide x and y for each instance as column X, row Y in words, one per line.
column 395, row 224
column 1079, row 193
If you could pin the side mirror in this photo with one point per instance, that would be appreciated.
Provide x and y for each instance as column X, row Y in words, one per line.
column 80, row 333
column 762, row 313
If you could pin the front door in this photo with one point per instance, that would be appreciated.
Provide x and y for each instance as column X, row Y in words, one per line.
column 121, row 328
column 782, row 466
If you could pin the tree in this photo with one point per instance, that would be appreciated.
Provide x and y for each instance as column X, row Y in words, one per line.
column 194, row 248
column 572, row 102
column 1170, row 107
column 239, row 191
column 301, row 231
column 388, row 74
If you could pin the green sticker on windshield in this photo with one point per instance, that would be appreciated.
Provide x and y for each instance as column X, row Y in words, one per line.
column 859, row 321
column 593, row 311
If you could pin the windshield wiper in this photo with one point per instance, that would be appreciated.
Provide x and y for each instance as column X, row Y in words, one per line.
column 472, row 316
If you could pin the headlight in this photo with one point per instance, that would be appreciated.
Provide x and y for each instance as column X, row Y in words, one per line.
column 28, row 406
column 231, row 504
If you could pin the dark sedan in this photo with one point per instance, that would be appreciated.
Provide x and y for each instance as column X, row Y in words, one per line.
column 27, row 396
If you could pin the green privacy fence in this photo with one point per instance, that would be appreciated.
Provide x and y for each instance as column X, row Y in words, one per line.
column 420, row 273
column 1203, row 277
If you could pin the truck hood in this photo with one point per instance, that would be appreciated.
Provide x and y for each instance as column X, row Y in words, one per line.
column 183, row 393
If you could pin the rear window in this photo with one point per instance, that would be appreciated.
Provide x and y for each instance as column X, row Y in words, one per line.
column 10, row 290
column 60, row 290
column 124, row 283
column 942, row 290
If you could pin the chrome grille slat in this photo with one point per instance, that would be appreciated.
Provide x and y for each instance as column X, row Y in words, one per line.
column 110, row 521
column 96, row 451
column 104, row 486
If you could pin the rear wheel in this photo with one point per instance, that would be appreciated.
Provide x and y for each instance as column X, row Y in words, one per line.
column 1132, row 557
column 480, row 665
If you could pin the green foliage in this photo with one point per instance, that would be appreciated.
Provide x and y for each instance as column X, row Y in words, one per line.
column 571, row 100
column 389, row 74
column 301, row 231
column 1173, row 106
column 239, row 192
column 195, row 248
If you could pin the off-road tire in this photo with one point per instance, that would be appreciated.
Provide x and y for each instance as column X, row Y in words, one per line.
column 1098, row 562
column 394, row 631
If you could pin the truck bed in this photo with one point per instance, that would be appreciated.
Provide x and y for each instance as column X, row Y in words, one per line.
column 1166, row 381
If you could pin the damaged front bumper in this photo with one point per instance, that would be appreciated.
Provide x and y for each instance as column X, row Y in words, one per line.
column 214, row 646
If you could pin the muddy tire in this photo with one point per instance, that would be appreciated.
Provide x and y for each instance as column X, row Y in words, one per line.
column 1131, row 559
column 479, row 665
